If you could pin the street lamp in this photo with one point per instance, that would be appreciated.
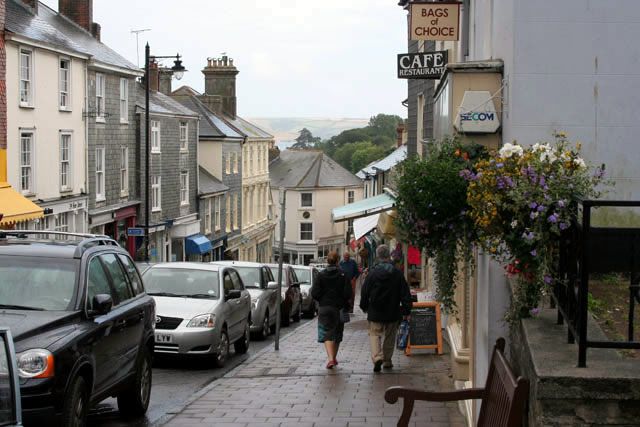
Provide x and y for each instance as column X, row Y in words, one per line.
column 178, row 71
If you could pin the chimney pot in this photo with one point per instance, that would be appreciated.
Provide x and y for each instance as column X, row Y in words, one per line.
column 220, row 81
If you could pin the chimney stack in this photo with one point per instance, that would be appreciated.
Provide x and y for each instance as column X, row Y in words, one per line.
column 33, row 4
column 154, row 76
column 165, row 77
column 80, row 12
column 220, row 81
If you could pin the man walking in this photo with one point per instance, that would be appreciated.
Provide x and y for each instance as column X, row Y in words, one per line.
column 350, row 269
column 386, row 299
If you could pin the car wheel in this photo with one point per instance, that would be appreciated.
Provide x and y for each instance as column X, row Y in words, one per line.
column 134, row 400
column 76, row 404
column 298, row 315
column 286, row 316
column 242, row 345
column 223, row 350
column 266, row 326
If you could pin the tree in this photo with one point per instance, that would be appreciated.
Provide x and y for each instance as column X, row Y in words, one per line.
column 365, row 155
column 384, row 125
column 305, row 139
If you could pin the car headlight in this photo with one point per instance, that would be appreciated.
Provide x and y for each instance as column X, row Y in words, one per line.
column 37, row 363
column 202, row 321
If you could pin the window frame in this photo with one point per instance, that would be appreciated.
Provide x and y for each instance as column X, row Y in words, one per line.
column 236, row 221
column 228, row 212
column 100, row 174
column 124, row 171
column 184, row 139
column 31, row 166
column 124, row 100
column 156, row 201
column 117, row 300
column 184, row 191
column 207, row 216
column 217, row 213
column 300, row 231
column 351, row 196
column 101, row 93
column 59, row 224
column 69, row 161
column 29, row 102
column 302, row 205
column 67, row 94
column 228, row 164
column 156, row 143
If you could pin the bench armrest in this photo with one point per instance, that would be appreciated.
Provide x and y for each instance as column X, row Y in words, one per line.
column 392, row 394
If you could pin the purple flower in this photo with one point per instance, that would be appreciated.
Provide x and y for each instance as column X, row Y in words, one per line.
column 533, row 215
column 542, row 181
column 534, row 253
column 563, row 226
column 553, row 218
column 529, row 236
column 499, row 165
column 540, row 208
column 547, row 279
column 561, row 203
column 533, row 205
column 534, row 311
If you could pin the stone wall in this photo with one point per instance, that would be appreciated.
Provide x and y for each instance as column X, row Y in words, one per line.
column 605, row 393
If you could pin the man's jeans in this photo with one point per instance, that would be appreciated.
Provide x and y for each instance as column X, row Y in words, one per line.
column 382, row 337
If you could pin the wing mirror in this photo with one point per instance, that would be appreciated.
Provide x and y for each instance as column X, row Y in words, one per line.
column 102, row 304
column 272, row 285
column 234, row 294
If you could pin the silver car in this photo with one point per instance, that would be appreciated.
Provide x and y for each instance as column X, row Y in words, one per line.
column 200, row 309
column 258, row 280
column 307, row 275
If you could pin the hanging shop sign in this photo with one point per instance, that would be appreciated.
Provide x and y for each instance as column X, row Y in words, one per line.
column 428, row 65
column 435, row 21
column 476, row 113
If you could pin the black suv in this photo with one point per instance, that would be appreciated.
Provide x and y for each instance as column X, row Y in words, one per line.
column 81, row 321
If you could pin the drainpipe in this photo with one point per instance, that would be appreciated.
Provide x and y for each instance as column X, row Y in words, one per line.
column 466, row 19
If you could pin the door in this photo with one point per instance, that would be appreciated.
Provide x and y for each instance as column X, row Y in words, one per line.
column 105, row 336
column 242, row 306
column 294, row 289
column 272, row 298
column 230, row 305
column 129, row 312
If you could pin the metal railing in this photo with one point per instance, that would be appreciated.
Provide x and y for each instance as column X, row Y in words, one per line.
column 585, row 249
column 85, row 242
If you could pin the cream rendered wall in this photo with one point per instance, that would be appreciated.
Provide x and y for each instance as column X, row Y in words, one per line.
column 210, row 157
column 47, row 120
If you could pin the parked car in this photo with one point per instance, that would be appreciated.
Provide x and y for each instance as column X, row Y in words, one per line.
column 258, row 280
column 81, row 321
column 291, row 305
column 307, row 275
column 10, row 411
column 201, row 309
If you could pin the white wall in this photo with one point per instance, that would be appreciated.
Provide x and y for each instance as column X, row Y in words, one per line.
column 47, row 120
column 210, row 157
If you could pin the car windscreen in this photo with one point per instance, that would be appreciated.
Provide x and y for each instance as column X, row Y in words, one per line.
column 304, row 275
column 37, row 283
column 182, row 282
column 250, row 276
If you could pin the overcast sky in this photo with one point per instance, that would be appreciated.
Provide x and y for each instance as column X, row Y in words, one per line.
column 297, row 58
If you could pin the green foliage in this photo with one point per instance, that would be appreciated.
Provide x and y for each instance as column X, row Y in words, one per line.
column 432, row 207
column 306, row 139
column 356, row 148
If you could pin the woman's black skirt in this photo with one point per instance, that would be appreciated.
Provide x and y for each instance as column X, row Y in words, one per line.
column 330, row 328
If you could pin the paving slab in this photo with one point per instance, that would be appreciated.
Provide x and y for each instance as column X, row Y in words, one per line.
column 293, row 387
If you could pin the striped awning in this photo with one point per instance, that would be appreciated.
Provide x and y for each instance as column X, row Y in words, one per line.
column 14, row 207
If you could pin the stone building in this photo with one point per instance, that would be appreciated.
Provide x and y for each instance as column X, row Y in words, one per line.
column 174, row 233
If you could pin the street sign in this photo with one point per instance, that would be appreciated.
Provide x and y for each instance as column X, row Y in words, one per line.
column 434, row 21
column 135, row 231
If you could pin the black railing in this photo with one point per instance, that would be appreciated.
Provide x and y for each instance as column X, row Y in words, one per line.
column 583, row 250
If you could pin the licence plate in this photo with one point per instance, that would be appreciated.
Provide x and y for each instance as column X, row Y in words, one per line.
column 164, row 339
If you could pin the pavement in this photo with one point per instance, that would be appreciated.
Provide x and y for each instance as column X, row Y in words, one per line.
column 292, row 387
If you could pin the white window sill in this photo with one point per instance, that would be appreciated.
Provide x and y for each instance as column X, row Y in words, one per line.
column 124, row 193
column 65, row 109
column 66, row 190
column 184, row 150
column 25, row 105
column 100, row 198
column 27, row 193
column 154, row 210
column 306, row 208
column 101, row 120
column 184, row 203
column 124, row 121
column 155, row 151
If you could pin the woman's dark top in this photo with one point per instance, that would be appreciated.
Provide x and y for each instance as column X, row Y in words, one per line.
column 332, row 288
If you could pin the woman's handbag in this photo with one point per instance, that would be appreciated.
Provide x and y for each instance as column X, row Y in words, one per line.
column 344, row 315
column 403, row 335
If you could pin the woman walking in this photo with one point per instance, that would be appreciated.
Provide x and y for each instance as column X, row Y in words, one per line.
column 332, row 290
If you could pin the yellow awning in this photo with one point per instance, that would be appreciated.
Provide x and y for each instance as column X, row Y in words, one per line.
column 15, row 207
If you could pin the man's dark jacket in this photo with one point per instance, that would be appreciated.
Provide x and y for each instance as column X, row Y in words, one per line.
column 385, row 295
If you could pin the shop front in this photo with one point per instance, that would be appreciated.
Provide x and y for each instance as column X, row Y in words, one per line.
column 114, row 223
column 182, row 229
column 14, row 207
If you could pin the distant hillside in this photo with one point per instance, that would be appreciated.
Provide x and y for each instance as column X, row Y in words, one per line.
column 286, row 129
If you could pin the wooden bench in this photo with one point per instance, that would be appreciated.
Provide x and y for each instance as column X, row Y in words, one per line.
column 504, row 397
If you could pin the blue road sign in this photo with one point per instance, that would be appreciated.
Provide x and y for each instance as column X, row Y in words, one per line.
column 134, row 231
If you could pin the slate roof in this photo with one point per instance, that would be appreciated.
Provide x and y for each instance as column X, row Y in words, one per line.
column 50, row 28
column 246, row 128
column 397, row 156
column 309, row 169
column 209, row 184
column 210, row 124
column 162, row 104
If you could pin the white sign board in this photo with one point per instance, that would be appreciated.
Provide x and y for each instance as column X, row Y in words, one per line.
column 476, row 113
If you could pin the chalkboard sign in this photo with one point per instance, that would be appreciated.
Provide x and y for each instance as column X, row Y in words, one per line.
column 425, row 327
